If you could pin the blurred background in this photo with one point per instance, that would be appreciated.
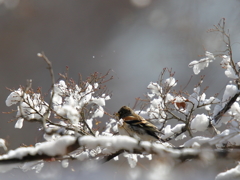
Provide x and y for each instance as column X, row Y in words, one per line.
column 136, row 39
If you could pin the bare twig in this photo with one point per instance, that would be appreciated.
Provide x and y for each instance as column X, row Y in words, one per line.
column 86, row 124
column 52, row 87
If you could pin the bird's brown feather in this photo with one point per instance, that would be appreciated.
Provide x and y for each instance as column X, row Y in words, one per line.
column 137, row 123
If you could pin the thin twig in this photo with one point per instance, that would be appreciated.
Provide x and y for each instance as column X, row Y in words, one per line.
column 52, row 87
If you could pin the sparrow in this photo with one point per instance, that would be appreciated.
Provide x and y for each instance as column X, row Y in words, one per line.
column 136, row 126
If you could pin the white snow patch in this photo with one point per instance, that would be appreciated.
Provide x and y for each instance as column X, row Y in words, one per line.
column 99, row 112
column 53, row 148
column 113, row 142
column 233, row 173
column 198, row 139
column 19, row 123
column 230, row 91
column 3, row 144
column 14, row 97
column 200, row 122
column 171, row 81
column 202, row 63
column 132, row 159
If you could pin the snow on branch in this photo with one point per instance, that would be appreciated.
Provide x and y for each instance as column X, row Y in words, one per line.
column 72, row 106
column 70, row 119
column 233, row 173
column 105, row 148
column 44, row 150
column 202, row 63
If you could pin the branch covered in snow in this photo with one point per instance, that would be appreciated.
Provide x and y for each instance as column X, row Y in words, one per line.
column 226, row 107
column 72, row 108
column 104, row 148
column 70, row 119
column 46, row 150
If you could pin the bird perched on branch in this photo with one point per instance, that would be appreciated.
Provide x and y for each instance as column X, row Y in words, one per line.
column 136, row 126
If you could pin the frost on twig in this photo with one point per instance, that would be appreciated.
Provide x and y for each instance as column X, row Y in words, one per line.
column 71, row 118
column 168, row 105
column 202, row 63
column 72, row 107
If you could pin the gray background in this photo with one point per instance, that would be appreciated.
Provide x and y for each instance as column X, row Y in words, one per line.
column 98, row 35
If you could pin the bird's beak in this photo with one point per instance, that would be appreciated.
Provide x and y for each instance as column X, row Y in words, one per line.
column 116, row 114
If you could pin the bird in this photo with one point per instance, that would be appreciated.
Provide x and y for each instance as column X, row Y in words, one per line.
column 136, row 126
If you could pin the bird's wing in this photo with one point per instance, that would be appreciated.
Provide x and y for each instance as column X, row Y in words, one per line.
column 141, row 123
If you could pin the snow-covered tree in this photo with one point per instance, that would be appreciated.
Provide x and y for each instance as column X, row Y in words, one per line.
column 70, row 120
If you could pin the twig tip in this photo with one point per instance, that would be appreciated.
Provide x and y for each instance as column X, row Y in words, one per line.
column 39, row 55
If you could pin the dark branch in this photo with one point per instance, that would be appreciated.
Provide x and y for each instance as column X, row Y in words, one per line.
column 217, row 117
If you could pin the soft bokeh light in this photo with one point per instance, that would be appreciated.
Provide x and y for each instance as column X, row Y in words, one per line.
column 140, row 3
column 9, row 4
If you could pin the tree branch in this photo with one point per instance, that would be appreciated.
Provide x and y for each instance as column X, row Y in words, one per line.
column 217, row 117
